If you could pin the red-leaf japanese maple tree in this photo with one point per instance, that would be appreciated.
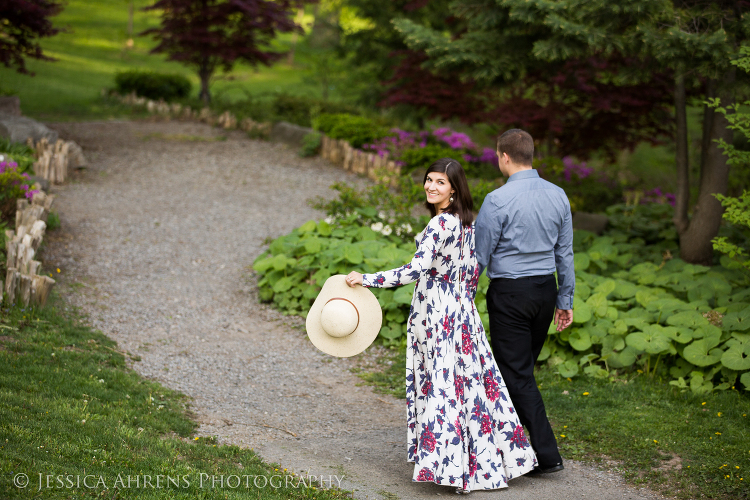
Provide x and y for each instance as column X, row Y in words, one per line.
column 22, row 24
column 212, row 34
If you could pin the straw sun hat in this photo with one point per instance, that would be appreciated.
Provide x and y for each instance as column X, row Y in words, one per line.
column 343, row 321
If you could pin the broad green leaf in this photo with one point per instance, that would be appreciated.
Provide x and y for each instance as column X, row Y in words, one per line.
column 390, row 333
column 312, row 245
column 708, row 331
column 283, row 284
column 366, row 234
column 281, row 261
column 652, row 340
column 263, row 265
column 666, row 306
column 545, row 352
column 743, row 296
column 618, row 328
column 745, row 379
column 681, row 334
column 324, row 228
column 680, row 368
column 404, row 294
column 702, row 353
column 625, row 289
column 588, row 358
column 581, row 311
column 646, row 297
column 690, row 319
column 389, row 253
column 352, row 254
column 307, row 227
column 568, row 369
column 700, row 386
column 581, row 261
column 582, row 290
column 622, row 359
column 737, row 321
column 605, row 287
column 579, row 339
column 737, row 357
column 596, row 371
column 612, row 343
column 598, row 304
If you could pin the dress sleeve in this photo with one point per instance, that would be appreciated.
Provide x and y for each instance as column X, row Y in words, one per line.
column 437, row 233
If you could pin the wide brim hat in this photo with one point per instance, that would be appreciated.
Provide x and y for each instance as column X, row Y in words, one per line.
column 343, row 321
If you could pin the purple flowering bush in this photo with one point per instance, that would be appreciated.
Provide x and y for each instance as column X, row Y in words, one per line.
column 587, row 190
column 13, row 185
column 415, row 150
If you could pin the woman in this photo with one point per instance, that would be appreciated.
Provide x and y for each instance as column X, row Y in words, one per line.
column 462, row 428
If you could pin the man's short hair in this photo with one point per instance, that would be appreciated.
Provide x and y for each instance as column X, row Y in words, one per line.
column 518, row 145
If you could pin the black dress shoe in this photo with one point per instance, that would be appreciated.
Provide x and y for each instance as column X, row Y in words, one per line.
column 545, row 470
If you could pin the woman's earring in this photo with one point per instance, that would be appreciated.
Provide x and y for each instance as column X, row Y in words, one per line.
column 451, row 200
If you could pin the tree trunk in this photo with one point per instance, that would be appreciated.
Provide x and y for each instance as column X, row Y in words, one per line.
column 683, row 173
column 708, row 116
column 204, row 73
column 695, row 242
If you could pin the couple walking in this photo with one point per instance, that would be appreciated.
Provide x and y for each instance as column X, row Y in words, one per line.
column 466, row 410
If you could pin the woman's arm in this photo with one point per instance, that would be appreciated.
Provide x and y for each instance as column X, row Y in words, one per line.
column 438, row 232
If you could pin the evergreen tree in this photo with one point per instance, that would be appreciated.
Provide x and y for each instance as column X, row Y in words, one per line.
column 691, row 40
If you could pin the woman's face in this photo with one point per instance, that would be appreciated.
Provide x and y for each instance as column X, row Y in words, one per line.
column 438, row 190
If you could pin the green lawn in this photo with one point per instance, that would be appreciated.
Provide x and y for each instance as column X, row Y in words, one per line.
column 71, row 411
column 92, row 49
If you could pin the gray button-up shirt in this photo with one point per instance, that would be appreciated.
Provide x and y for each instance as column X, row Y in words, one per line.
column 525, row 229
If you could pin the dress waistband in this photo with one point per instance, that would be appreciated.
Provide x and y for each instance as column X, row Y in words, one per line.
column 522, row 278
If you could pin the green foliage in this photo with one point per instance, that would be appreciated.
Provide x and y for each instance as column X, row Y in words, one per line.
column 156, row 86
column 587, row 192
column 422, row 158
column 53, row 221
column 13, row 185
column 636, row 308
column 737, row 213
column 311, row 144
column 19, row 153
column 357, row 130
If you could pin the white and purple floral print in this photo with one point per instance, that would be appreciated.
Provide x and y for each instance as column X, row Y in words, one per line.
column 462, row 428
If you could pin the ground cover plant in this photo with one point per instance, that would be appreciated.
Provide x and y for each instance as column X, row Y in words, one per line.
column 70, row 407
column 637, row 307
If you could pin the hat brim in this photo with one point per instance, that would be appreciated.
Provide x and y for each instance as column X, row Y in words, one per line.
column 370, row 319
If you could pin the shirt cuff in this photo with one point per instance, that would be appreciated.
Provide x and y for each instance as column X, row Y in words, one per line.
column 565, row 302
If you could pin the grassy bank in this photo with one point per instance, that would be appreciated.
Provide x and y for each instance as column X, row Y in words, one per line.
column 77, row 423
column 93, row 48
column 683, row 445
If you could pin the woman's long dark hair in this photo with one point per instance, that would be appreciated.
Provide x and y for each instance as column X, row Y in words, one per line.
column 462, row 204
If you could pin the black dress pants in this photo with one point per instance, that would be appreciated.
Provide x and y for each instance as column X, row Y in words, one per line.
column 521, row 311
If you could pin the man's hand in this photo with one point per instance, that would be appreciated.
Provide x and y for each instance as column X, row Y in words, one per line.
column 563, row 318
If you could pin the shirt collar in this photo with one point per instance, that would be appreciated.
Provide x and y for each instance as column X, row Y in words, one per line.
column 524, row 174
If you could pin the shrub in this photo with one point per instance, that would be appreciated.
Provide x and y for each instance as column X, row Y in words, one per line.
column 422, row 158
column 587, row 190
column 18, row 153
column 357, row 130
column 167, row 87
column 14, row 184
column 310, row 144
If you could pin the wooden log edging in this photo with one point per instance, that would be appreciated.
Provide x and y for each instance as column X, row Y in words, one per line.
column 23, row 286
column 339, row 152
column 376, row 167
column 53, row 160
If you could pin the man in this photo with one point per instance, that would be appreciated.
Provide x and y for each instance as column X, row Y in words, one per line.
column 524, row 233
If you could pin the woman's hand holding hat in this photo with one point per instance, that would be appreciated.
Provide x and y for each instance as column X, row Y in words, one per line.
column 353, row 278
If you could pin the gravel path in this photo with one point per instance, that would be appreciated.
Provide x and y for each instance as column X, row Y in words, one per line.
column 155, row 242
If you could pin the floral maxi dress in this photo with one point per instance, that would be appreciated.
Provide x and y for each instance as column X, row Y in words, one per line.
column 462, row 428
